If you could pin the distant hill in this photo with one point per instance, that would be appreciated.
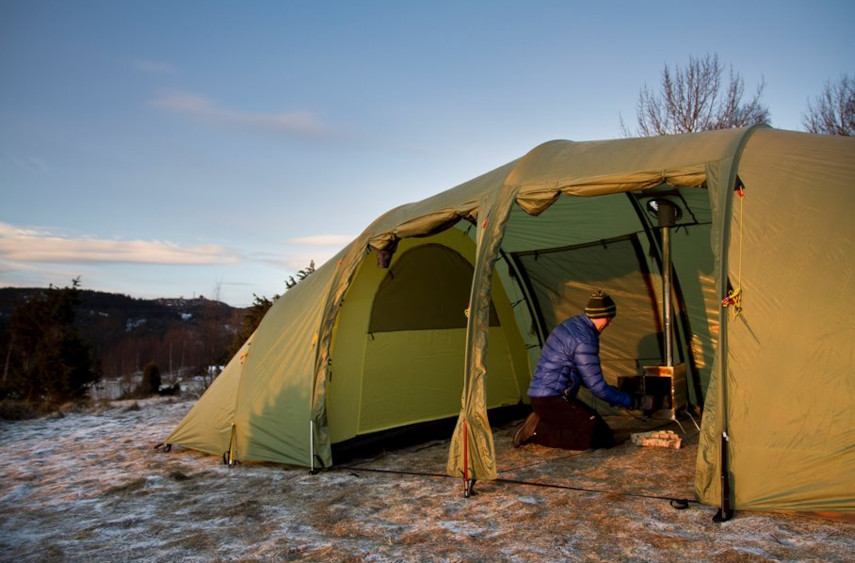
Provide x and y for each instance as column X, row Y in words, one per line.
column 126, row 333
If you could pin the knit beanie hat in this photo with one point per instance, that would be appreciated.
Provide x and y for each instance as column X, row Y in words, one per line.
column 600, row 306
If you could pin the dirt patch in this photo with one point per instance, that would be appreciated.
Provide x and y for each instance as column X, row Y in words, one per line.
column 90, row 487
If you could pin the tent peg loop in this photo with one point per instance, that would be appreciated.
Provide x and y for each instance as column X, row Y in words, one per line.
column 469, row 488
column 315, row 470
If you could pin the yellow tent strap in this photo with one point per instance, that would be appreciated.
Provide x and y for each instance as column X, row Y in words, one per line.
column 734, row 296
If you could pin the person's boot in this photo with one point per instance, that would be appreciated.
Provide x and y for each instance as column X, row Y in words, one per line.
column 526, row 430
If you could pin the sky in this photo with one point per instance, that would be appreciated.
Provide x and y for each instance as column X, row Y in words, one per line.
column 161, row 148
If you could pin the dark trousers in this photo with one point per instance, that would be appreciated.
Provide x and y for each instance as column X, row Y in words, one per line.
column 569, row 424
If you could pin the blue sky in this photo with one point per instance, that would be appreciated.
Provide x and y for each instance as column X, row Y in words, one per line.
column 184, row 148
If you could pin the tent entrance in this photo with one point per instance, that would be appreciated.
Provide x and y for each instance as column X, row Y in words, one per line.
column 398, row 353
column 414, row 353
column 561, row 279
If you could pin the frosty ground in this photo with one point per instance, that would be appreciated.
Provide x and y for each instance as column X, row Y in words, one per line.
column 90, row 487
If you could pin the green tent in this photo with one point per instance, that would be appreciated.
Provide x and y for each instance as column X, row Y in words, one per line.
column 479, row 274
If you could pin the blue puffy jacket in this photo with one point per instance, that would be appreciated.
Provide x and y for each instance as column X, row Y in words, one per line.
column 571, row 358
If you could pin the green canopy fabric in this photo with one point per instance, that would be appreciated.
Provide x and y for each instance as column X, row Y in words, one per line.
column 355, row 348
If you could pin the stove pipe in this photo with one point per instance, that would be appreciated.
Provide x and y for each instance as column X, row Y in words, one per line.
column 667, row 213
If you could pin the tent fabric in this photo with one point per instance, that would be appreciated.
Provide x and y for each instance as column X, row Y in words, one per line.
column 786, row 381
column 207, row 427
column 536, row 234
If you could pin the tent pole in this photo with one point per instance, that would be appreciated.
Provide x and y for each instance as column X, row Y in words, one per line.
column 666, row 294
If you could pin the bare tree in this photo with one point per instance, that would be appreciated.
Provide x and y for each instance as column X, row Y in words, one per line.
column 834, row 112
column 695, row 99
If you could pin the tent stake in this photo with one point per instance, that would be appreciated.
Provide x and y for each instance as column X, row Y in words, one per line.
column 725, row 512
column 311, row 447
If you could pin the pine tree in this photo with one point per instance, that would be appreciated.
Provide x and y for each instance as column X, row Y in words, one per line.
column 47, row 361
column 251, row 320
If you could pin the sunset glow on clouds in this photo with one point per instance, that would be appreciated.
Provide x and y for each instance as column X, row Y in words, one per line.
column 29, row 245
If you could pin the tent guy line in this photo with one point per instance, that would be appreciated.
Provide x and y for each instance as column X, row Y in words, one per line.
column 682, row 501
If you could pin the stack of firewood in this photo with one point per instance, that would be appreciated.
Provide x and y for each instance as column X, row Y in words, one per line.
column 658, row 438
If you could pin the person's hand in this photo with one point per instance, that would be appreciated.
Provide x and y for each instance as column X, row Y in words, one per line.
column 642, row 403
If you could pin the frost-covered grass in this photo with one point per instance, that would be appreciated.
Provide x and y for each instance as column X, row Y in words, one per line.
column 90, row 487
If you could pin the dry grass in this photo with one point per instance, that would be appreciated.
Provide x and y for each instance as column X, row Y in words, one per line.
column 89, row 487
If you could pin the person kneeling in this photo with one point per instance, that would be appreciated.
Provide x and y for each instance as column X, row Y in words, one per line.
column 569, row 359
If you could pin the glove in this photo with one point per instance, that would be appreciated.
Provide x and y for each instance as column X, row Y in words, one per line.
column 641, row 403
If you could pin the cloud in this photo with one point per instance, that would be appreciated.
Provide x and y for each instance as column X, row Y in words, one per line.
column 321, row 240
column 154, row 67
column 302, row 124
column 28, row 245
column 296, row 259
column 7, row 230
column 312, row 248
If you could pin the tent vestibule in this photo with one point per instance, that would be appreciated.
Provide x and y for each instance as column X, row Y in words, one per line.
column 440, row 307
